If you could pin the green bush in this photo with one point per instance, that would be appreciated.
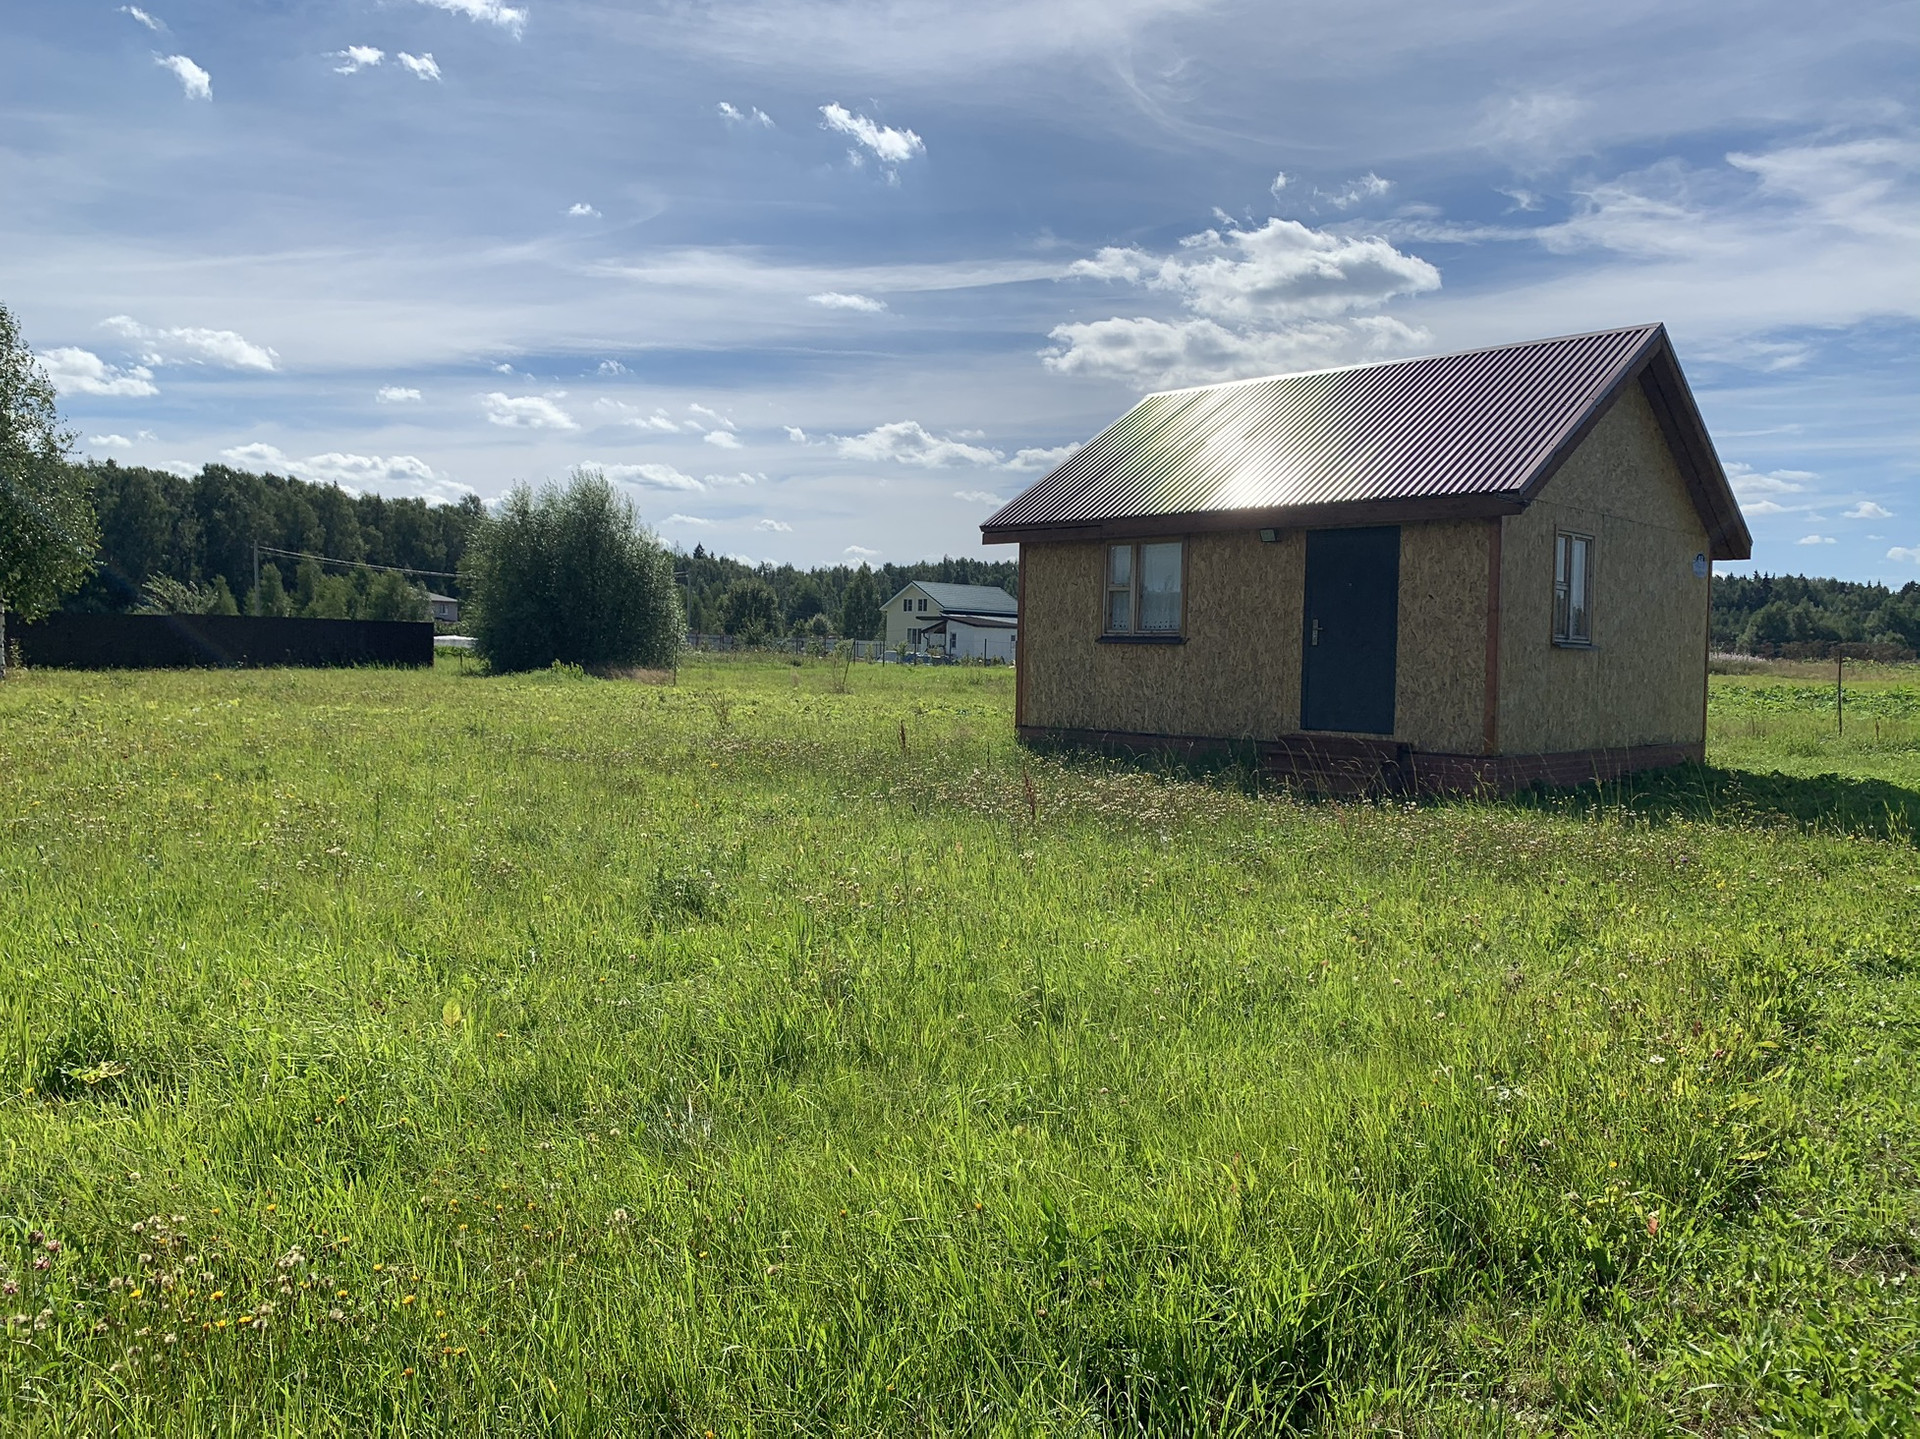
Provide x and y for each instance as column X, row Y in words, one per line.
column 569, row 574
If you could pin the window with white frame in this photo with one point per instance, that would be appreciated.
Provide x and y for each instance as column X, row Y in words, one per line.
column 1572, row 589
column 1144, row 584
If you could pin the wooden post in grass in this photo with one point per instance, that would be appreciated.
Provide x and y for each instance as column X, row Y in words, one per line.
column 1839, row 691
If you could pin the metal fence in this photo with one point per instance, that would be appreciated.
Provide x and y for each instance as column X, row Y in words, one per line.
column 98, row 642
column 818, row 645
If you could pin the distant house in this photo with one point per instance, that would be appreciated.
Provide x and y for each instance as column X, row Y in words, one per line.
column 1466, row 570
column 446, row 609
column 980, row 622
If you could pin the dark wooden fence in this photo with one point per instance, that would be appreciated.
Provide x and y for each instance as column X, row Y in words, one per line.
column 149, row 642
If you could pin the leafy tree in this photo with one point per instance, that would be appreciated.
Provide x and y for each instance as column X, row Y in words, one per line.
column 752, row 610
column 164, row 595
column 860, row 609
column 47, row 525
column 271, row 597
column 569, row 574
column 390, row 597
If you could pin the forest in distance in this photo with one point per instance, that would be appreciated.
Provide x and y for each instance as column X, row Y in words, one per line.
column 160, row 531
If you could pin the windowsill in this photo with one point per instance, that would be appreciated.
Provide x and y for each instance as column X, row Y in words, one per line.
column 1141, row 640
column 1574, row 645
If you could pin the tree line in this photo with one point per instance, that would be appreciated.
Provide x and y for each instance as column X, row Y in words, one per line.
column 1792, row 616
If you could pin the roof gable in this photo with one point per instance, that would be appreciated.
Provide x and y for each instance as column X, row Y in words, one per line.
column 1440, row 437
column 987, row 599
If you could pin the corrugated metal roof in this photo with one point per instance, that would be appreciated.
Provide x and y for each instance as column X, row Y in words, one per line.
column 1463, row 433
column 985, row 599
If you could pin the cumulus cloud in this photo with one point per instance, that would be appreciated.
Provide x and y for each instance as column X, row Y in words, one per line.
column 581, row 210
column 907, row 442
column 191, row 344
column 74, row 371
column 197, row 83
column 773, row 526
column 349, row 471
column 796, row 434
column 834, row 300
column 110, row 442
column 752, row 115
column 1041, row 459
column 1905, row 554
column 485, row 12
column 891, row 147
column 396, row 395
column 356, row 58
column 723, row 439
column 527, row 412
column 1197, row 352
column 612, row 367
column 422, row 65
column 1368, row 187
column 978, row 497
column 741, row 478
column 648, row 476
column 1815, row 540
column 659, row 421
column 861, row 552
column 1282, row 296
column 1749, row 483
column 1868, row 510
column 143, row 17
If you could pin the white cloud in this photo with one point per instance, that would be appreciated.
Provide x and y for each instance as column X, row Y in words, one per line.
column 1748, row 482
column 742, row 478
column 834, row 300
column 185, row 469
column 648, row 476
column 861, row 552
column 1284, row 270
column 1194, row 352
column 752, row 115
column 1042, row 459
column 612, row 367
column 713, row 417
column 1280, row 182
column 775, row 526
column 891, row 147
column 723, row 439
column 1535, row 131
column 74, row 371
column 796, row 434
column 422, row 65
column 143, row 17
column 1368, row 187
column 1815, row 540
column 486, row 12
column 356, row 58
column 396, row 395
column 1867, row 510
column 581, row 210
column 1768, row 507
column 978, row 497
column 190, row 344
column 110, row 442
column 527, row 412
column 1907, row 555
column 685, row 520
column 351, row 472
column 906, row 442
column 196, row 82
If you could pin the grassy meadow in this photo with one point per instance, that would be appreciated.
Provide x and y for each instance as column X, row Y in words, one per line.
column 786, row 1051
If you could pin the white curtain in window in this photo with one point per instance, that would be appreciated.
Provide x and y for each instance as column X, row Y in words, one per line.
column 1160, row 587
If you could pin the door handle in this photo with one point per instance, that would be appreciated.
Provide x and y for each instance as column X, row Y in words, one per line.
column 1316, row 632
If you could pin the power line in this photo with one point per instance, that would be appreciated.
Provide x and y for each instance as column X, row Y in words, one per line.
column 357, row 564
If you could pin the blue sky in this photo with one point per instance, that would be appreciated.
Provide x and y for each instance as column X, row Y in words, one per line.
column 827, row 280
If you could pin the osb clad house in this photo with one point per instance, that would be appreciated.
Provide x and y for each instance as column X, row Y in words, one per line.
column 1465, row 570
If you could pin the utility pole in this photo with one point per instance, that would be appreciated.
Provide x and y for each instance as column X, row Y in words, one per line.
column 256, row 576
column 1840, row 691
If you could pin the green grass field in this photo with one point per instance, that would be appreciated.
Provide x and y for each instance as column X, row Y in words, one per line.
column 422, row 1053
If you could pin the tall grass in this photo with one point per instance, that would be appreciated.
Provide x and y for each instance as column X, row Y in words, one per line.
column 437, row 1054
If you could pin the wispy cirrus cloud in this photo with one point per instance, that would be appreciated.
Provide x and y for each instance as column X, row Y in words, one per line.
column 527, row 412
column 836, row 300
column 485, row 12
column 752, row 115
column 423, row 66
column 197, row 83
column 152, row 22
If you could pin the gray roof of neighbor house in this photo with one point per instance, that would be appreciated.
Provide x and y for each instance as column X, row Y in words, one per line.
column 980, row 599
column 1441, row 437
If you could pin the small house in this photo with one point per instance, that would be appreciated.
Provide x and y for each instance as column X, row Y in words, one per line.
column 979, row 622
column 445, row 608
column 1461, row 571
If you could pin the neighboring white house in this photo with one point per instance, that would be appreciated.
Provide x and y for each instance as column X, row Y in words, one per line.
column 977, row 622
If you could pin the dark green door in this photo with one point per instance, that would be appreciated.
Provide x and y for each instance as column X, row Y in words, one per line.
column 1352, row 631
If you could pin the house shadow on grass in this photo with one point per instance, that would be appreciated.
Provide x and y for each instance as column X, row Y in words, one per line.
column 1823, row 804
